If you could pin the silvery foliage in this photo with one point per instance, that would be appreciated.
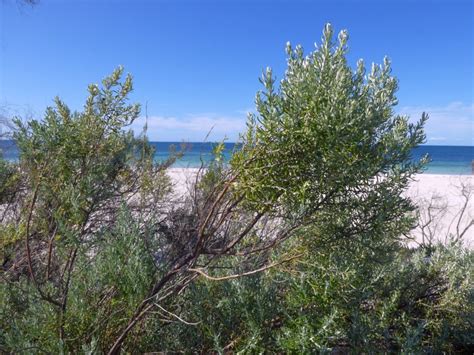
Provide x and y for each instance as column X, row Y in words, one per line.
column 327, row 139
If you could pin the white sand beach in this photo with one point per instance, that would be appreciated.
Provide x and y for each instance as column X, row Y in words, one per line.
column 448, row 202
column 181, row 178
column 440, row 198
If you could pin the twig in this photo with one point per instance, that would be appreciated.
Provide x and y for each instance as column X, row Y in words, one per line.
column 235, row 276
column 176, row 316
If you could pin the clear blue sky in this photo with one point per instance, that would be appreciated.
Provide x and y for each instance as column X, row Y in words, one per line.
column 196, row 63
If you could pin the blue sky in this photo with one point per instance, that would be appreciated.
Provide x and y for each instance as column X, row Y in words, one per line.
column 197, row 63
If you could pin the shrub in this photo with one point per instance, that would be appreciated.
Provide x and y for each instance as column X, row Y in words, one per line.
column 292, row 247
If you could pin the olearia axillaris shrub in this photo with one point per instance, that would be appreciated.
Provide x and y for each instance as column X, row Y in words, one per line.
column 327, row 135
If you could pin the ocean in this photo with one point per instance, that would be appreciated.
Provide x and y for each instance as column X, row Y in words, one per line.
column 448, row 160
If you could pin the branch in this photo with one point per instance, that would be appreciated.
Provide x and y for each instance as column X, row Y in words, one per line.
column 175, row 316
column 235, row 276
column 28, row 251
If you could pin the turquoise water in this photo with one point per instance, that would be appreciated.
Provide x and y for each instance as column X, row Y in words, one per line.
column 195, row 153
column 450, row 160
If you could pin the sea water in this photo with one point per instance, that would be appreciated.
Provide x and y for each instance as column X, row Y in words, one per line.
column 449, row 160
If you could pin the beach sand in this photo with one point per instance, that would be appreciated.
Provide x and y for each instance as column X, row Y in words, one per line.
column 439, row 197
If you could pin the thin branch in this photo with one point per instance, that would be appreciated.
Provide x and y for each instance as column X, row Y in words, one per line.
column 235, row 276
column 28, row 250
column 176, row 316
column 50, row 252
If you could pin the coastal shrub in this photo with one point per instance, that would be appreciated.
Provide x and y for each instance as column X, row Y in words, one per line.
column 327, row 135
column 104, row 289
column 409, row 304
column 294, row 246
column 326, row 150
column 402, row 301
column 78, row 169
column 326, row 156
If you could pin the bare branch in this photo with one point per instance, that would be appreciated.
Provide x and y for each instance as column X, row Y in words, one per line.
column 235, row 276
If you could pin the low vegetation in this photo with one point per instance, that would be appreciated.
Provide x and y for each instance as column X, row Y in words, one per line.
column 296, row 245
